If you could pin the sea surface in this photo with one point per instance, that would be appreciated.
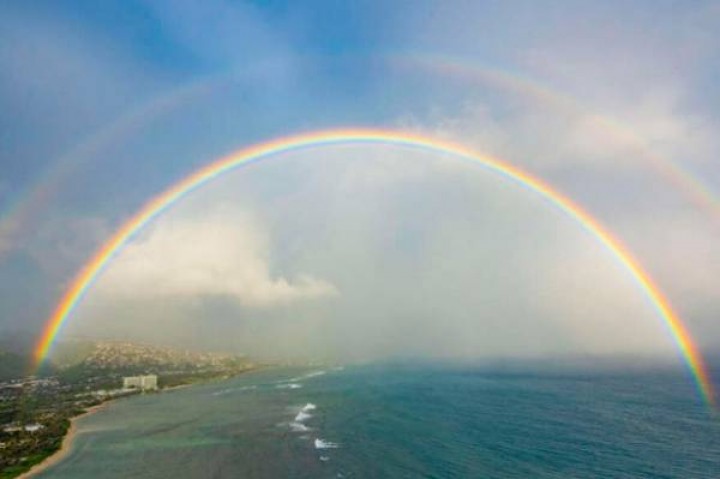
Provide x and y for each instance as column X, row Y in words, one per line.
column 404, row 421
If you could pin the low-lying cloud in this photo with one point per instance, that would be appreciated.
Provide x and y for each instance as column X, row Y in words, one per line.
column 219, row 255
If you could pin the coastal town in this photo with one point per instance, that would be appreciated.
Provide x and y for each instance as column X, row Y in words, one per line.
column 36, row 411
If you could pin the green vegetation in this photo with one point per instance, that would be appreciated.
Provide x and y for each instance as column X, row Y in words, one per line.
column 35, row 412
column 23, row 449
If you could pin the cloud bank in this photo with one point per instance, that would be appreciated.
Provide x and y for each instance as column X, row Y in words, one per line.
column 218, row 255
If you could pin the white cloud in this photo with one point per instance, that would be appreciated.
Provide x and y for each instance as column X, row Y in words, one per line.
column 221, row 254
column 549, row 133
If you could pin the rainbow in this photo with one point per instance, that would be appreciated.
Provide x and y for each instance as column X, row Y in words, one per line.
column 16, row 216
column 165, row 200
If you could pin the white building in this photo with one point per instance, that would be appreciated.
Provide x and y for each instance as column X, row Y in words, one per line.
column 145, row 383
column 29, row 428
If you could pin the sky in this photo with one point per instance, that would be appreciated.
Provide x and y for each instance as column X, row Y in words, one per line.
column 363, row 251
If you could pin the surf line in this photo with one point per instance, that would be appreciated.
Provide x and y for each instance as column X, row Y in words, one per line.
column 94, row 267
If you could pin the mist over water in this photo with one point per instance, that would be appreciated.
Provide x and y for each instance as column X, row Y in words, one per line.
column 372, row 252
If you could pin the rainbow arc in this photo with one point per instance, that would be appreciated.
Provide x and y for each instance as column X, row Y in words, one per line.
column 92, row 270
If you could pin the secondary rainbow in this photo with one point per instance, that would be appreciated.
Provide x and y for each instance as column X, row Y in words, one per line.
column 160, row 203
column 18, row 213
column 680, row 176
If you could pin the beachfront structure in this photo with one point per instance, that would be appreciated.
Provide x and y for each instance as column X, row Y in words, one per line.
column 28, row 427
column 144, row 383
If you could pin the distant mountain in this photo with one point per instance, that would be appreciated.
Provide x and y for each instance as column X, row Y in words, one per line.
column 86, row 357
column 130, row 357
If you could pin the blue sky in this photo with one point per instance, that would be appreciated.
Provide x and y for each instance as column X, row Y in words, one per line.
column 105, row 104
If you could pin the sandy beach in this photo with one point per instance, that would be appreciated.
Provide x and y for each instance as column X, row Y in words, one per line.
column 64, row 448
column 67, row 442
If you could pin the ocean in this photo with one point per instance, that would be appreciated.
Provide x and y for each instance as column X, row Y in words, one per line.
column 404, row 421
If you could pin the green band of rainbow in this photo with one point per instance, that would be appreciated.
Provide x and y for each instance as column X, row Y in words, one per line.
column 157, row 205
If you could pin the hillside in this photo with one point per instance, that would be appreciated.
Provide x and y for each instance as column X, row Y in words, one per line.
column 130, row 357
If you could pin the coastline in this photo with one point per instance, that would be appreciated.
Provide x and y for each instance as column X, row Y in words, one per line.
column 69, row 437
column 65, row 447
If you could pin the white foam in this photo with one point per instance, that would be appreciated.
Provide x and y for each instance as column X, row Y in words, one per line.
column 309, row 375
column 304, row 413
column 230, row 390
column 299, row 427
column 322, row 444
column 324, row 458
column 302, row 416
column 289, row 386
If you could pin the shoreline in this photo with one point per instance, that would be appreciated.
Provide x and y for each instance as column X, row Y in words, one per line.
column 69, row 437
column 65, row 446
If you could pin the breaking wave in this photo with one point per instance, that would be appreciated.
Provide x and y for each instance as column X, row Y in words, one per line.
column 231, row 390
column 298, row 427
column 288, row 386
column 309, row 375
column 303, row 415
column 322, row 444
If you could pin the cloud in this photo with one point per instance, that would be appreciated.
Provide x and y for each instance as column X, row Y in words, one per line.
column 636, row 77
column 222, row 254
column 641, row 75
column 550, row 133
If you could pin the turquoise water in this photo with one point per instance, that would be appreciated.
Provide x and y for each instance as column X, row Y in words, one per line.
column 402, row 421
